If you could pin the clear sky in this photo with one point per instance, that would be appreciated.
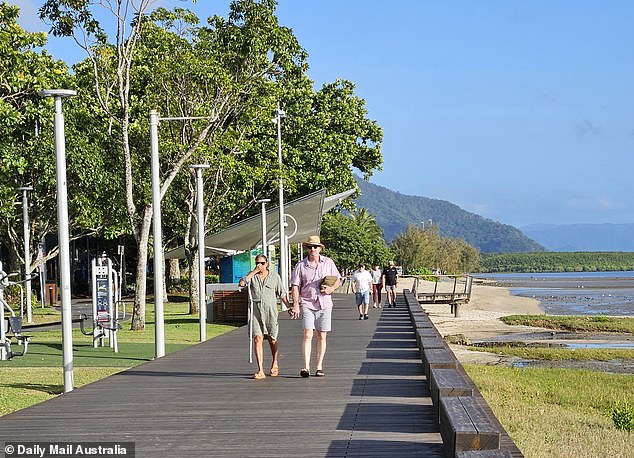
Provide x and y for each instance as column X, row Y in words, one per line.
column 519, row 111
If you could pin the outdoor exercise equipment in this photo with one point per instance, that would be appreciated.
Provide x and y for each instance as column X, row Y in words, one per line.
column 11, row 327
column 106, row 299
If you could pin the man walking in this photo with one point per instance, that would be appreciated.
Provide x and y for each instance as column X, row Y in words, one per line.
column 313, row 280
column 390, row 282
column 361, row 285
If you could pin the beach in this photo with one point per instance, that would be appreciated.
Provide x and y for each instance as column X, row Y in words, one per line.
column 479, row 319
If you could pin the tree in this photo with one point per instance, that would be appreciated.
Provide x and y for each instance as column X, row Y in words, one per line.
column 349, row 243
column 26, row 145
column 150, row 67
column 226, row 68
column 231, row 73
column 425, row 248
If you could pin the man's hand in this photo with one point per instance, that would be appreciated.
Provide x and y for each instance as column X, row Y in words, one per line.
column 293, row 312
column 326, row 289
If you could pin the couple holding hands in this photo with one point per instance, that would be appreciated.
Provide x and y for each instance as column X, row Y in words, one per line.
column 313, row 280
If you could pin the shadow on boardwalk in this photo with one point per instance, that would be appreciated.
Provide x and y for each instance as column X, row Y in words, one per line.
column 201, row 401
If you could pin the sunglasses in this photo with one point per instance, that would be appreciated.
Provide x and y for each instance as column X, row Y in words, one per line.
column 311, row 247
column 261, row 262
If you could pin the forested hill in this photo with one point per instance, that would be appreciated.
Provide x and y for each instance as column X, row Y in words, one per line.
column 395, row 211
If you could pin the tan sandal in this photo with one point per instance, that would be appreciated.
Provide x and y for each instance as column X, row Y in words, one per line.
column 275, row 371
column 259, row 376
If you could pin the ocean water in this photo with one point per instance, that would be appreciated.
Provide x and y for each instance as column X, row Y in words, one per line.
column 573, row 293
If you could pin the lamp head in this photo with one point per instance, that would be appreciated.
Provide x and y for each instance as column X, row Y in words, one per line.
column 57, row 93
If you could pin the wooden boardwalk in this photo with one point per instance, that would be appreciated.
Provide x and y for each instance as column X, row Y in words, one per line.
column 201, row 401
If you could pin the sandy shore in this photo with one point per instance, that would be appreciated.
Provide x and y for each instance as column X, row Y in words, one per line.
column 479, row 318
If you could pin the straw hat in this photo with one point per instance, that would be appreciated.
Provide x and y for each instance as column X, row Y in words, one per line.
column 313, row 240
column 391, row 263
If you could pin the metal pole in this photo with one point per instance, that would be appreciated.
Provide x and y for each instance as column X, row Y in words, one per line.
column 264, row 242
column 279, row 114
column 159, row 319
column 27, row 251
column 201, row 249
column 64, row 248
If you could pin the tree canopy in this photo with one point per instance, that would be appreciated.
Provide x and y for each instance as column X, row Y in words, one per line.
column 229, row 74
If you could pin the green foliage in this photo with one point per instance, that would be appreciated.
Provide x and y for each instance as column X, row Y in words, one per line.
column 534, row 352
column 580, row 261
column 573, row 323
column 425, row 248
column 395, row 211
column 26, row 143
column 424, row 274
column 350, row 241
column 623, row 416
column 231, row 72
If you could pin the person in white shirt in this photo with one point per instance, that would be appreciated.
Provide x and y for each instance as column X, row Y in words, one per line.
column 361, row 286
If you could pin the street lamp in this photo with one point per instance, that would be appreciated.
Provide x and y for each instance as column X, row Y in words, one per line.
column 279, row 114
column 159, row 313
column 264, row 242
column 201, row 249
column 27, row 250
column 62, row 218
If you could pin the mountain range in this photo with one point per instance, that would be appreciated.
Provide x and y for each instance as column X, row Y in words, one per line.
column 395, row 211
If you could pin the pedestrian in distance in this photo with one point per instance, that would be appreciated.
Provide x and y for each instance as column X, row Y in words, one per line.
column 361, row 286
column 265, row 289
column 377, row 285
column 313, row 281
column 390, row 282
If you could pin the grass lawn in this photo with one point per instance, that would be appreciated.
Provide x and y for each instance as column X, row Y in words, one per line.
column 38, row 375
column 558, row 412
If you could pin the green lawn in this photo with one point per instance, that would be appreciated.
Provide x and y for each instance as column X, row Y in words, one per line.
column 38, row 375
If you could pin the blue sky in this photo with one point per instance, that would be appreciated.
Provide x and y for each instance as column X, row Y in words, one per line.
column 520, row 111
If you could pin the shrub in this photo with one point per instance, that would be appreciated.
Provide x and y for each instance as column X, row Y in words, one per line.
column 623, row 416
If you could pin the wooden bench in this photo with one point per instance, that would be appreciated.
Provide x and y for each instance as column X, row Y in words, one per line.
column 427, row 333
column 439, row 358
column 448, row 382
column 465, row 426
column 500, row 453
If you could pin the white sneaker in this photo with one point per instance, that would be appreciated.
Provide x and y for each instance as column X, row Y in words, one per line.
column 374, row 306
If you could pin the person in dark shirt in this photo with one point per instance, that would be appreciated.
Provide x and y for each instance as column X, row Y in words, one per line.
column 390, row 282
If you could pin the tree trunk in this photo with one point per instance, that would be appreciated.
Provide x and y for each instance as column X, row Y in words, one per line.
column 173, row 273
column 193, row 285
column 138, row 317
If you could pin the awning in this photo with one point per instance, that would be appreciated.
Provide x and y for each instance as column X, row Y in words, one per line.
column 303, row 218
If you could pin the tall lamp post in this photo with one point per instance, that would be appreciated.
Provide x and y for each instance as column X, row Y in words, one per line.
column 279, row 114
column 64, row 238
column 198, row 168
column 27, row 250
column 264, row 241
column 159, row 312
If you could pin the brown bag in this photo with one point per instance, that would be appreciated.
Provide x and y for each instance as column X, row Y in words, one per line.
column 329, row 280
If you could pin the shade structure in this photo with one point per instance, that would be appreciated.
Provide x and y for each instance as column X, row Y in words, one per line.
column 303, row 218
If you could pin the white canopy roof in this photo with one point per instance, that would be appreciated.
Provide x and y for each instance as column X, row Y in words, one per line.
column 303, row 218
